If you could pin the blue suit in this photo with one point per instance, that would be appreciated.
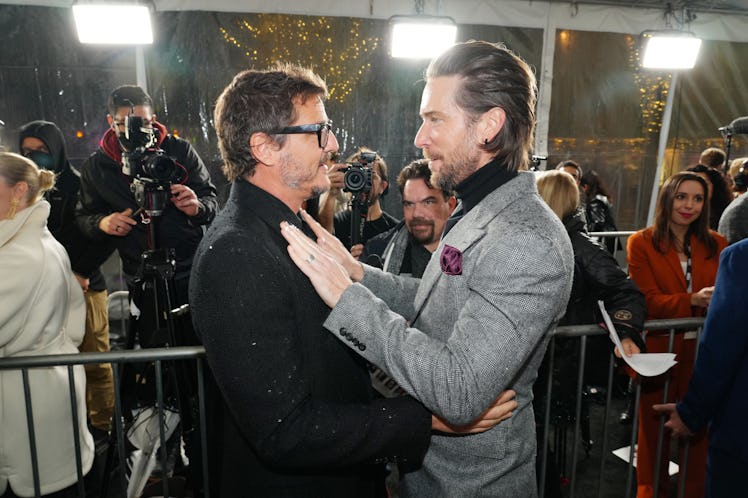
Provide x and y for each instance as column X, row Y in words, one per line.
column 718, row 389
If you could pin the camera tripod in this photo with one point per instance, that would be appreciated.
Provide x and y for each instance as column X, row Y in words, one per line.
column 159, row 324
column 359, row 212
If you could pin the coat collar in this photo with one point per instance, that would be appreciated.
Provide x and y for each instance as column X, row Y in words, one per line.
column 34, row 215
column 248, row 197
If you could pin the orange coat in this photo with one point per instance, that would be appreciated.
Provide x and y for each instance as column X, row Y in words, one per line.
column 660, row 276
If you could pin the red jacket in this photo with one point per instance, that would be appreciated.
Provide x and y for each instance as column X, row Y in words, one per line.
column 660, row 276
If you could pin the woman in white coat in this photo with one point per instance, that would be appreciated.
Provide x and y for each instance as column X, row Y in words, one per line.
column 42, row 313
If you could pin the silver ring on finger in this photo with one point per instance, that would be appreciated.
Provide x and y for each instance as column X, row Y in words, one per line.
column 310, row 259
column 117, row 229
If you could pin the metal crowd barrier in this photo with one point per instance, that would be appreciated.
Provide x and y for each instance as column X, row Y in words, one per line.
column 158, row 356
column 161, row 355
column 582, row 332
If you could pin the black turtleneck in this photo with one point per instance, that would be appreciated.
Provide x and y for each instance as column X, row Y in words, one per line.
column 475, row 187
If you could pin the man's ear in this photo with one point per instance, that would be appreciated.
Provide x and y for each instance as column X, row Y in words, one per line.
column 110, row 120
column 491, row 124
column 452, row 203
column 264, row 149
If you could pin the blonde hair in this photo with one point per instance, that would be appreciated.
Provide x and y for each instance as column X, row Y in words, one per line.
column 735, row 165
column 15, row 169
column 559, row 190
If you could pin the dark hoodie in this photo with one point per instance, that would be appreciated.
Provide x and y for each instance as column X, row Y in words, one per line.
column 105, row 189
column 86, row 255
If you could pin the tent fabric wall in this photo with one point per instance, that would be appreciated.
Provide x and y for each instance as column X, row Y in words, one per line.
column 595, row 104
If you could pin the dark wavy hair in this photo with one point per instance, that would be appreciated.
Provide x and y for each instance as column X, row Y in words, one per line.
column 259, row 101
column 595, row 186
column 721, row 195
column 415, row 170
column 492, row 76
column 662, row 236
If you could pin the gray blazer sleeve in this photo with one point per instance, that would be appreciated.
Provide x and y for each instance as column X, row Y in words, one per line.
column 476, row 332
column 397, row 291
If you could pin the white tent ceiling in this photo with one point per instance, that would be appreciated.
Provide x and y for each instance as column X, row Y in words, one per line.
column 715, row 19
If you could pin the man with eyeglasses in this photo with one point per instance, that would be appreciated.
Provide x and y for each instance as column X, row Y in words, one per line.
column 291, row 412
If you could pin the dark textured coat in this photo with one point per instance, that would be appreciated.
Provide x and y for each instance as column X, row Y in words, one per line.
column 597, row 276
column 295, row 414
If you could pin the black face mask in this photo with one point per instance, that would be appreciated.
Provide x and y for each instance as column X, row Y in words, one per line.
column 43, row 159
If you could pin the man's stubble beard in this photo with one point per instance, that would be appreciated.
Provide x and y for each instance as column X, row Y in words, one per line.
column 458, row 164
column 292, row 176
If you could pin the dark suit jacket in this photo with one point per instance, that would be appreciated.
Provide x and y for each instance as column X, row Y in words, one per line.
column 718, row 391
column 295, row 414
column 660, row 276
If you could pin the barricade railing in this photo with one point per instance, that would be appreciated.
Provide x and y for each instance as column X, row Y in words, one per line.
column 622, row 235
column 159, row 357
column 582, row 332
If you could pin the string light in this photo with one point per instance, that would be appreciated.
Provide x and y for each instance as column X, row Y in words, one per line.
column 314, row 42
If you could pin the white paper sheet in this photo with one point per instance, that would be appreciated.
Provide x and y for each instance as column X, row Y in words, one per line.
column 646, row 364
column 624, row 454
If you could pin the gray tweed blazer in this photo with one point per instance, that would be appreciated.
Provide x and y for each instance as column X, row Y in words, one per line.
column 456, row 341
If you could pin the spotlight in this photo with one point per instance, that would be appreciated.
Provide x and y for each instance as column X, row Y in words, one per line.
column 422, row 37
column 113, row 24
column 670, row 49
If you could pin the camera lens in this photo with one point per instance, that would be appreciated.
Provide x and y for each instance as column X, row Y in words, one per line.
column 159, row 167
column 354, row 180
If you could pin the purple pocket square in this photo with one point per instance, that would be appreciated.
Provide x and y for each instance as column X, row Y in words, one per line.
column 451, row 260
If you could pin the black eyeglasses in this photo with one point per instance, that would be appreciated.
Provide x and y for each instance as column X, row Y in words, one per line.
column 321, row 129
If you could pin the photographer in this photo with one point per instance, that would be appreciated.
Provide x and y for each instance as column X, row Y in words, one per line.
column 146, row 190
column 107, row 202
column 375, row 221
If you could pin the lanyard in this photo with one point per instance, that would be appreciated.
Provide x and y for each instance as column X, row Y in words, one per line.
column 687, row 252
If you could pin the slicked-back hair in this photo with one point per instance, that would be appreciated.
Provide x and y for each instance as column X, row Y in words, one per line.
column 127, row 96
column 662, row 236
column 418, row 169
column 492, row 76
column 260, row 101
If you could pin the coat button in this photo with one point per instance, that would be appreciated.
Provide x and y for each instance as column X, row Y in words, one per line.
column 361, row 347
column 343, row 331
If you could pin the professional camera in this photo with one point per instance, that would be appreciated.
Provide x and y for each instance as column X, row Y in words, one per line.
column 357, row 176
column 142, row 158
column 153, row 171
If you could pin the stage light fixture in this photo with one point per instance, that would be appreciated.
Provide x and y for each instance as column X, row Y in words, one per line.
column 421, row 37
column 114, row 24
column 670, row 49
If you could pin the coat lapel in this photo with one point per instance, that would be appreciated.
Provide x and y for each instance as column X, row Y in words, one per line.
column 471, row 228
